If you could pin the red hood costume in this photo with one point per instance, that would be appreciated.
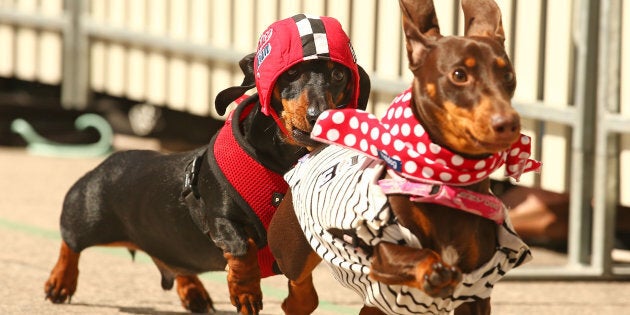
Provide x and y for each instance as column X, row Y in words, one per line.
column 253, row 184
column 300, row 38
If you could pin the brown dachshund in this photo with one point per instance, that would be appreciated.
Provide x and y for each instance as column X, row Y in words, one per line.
column 209, row 208
column 400, row 208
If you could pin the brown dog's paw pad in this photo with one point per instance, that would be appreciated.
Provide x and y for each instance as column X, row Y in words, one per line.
column 441, row 280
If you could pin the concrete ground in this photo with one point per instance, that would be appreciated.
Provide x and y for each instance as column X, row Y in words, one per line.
column 31, row 192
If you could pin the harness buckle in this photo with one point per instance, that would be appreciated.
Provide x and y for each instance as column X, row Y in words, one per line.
column 192, row 176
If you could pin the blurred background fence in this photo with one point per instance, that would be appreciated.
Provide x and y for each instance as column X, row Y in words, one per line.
column 572, row 59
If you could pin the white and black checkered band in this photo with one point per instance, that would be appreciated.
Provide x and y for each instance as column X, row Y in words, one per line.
column 313, row 35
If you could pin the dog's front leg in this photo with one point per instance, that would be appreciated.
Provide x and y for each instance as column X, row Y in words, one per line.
column 302, row 297
column 421, row 268
column 295, row 257
column 244, row 280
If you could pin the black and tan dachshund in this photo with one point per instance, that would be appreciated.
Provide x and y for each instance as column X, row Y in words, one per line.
column 180, row 209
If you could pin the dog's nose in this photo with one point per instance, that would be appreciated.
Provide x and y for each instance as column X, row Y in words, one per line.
column 311, row 114
column 505, row 125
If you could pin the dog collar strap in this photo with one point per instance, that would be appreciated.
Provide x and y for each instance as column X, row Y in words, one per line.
column 487, row 206
column 278, row 121
column 402, row 143
column 271, row 112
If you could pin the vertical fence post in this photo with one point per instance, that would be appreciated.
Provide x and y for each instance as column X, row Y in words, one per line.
column 74, row 85
column 579, row 238
column 606, row 182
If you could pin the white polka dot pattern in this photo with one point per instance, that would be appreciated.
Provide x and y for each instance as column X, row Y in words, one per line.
column 400, row 141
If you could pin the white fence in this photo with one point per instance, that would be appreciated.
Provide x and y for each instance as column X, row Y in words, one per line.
column 180, row 53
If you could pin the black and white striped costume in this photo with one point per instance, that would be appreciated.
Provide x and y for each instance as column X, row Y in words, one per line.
column 336, row 188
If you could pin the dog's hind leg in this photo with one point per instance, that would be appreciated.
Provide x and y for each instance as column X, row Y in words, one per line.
column 193, row 294
column 62, row 282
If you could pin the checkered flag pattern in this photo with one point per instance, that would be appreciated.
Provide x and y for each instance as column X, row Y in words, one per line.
column 313, row 35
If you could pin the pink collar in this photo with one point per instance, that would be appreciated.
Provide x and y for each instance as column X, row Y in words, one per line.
column 402, row 143
column 487, row 206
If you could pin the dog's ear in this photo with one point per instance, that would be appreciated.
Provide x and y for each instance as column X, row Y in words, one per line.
column 227, row 96
column 420, row 25
column 247, row 66
column 483, row 18
column 364, row 89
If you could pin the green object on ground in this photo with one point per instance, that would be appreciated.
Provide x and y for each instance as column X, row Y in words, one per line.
column 36, row 144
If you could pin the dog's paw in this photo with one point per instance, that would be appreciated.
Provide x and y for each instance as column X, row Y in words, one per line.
column 61, row 284
column 244, row 281
column 441, row 280
column 247, row 303
column 198, row 302
column 193, row 295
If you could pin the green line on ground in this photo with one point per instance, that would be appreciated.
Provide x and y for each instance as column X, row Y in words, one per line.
column 33, row 230
column 217, row 277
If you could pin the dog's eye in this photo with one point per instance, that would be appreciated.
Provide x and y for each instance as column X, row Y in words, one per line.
column 508, row 77
column 338, row 74
column 459, row 76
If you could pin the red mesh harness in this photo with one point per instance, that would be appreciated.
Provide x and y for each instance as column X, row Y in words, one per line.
column 262, row 192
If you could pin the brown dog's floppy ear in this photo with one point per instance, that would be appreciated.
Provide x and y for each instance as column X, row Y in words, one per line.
column 420, row 24
column 364, row 89
column 227, row 96
column 483, row 18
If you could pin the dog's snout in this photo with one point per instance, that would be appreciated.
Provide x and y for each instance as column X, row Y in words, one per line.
column 312, row 113
column 505, row 125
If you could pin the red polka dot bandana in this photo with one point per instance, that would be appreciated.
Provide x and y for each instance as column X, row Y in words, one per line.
column 402, row 143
